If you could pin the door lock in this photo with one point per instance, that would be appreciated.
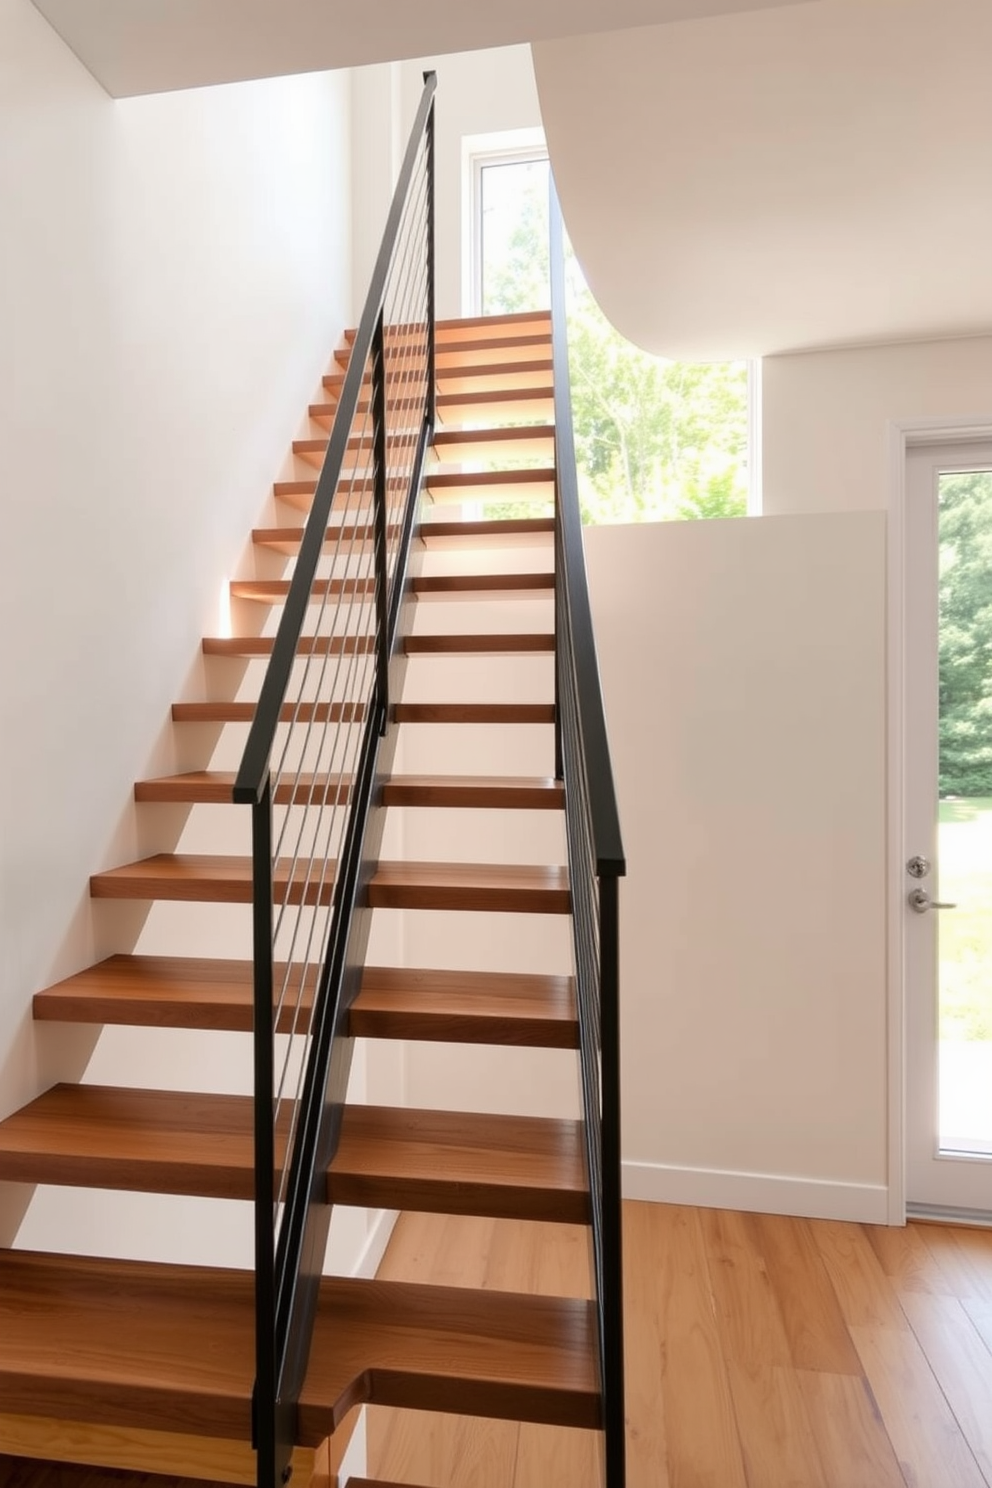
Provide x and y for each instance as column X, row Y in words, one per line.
column 918, row 867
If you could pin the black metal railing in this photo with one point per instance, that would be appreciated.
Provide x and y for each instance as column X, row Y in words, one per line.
column 595, row 865
column 318, row 747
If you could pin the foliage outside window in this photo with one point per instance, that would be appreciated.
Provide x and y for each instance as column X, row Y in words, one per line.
column 654, row 439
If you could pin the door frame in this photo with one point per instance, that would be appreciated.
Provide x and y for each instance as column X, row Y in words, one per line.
column 904, row 435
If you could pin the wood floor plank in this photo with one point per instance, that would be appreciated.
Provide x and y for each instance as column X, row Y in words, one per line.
column 807, row 1303
column 645, row 1352
column 964, row 1256
column 962, row 1364
column 747, row 1313
column 852, row 1441
column 702, row 1441
column 775, row 1430
column 866, row 1296
column 907, row 1260
column 928, row 1443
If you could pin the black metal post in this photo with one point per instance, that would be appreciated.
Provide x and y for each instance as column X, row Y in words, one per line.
column 612, row 1220
column 380, row 493
column 431, row 315
column 264, row 1403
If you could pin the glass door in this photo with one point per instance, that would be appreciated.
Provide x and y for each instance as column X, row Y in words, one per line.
column 947, row 864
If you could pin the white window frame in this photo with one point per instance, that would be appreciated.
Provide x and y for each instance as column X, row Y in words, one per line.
column 508, row 147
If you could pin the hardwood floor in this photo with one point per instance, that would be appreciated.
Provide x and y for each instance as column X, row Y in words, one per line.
column 762, row 1352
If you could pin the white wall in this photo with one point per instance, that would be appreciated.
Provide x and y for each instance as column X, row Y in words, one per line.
column 174, row 272
column 826, row 416
column 478, row 93
column 746, row 710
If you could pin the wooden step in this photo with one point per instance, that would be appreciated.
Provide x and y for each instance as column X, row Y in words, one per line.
column 507, row 530
column 503, row 713
column 494, row 644
column 456, row 1162
column 537, row 484
column 274, row 591
column 473, row 1007
column 483, row 345
column 453, row 586
column 453, row 1349
column 506, row 888
column 164, row 992
column 484, row 376
column 171, row 1348
column 470, row 1007
column 432, row 586
column 352, row 538
column 511, row 442
column 147, row 1141
column 216, row 787
column 354, row 491
column 235, row 712
column 230, row 712
column 207, row 878
column 496, row 405
column 308, row 645
column 343, row 538
column 178, row 1142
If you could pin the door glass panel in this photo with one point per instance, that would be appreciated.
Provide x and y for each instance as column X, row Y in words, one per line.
column 965, row 813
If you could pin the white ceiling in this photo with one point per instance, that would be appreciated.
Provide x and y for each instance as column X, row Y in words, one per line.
column 154, row 46
column 782, row 179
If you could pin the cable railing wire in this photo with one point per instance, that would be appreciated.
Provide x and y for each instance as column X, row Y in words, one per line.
column 309, row 770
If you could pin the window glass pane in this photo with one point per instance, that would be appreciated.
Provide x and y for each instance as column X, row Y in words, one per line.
column 655, row 439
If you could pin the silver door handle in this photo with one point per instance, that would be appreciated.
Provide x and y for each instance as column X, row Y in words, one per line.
column 920, row 900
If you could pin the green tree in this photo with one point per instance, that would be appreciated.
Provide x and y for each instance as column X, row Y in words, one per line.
column 966, row 634
column 654, row 439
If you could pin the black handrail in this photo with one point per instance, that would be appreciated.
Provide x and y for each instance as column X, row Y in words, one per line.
column 375, row 456
column 595, row 864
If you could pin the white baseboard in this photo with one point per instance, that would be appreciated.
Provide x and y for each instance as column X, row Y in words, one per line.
column 761, row 1193
column 372, row 1252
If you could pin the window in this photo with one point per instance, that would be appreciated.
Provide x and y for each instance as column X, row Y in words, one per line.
column 655, row 439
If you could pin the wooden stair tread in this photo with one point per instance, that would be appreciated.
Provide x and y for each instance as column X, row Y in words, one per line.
column 444, row 1006
column 483, row 886
column 425, row 586
column 149, row 1141
column 239, row 712
column 157, row 992
column 494, row 643
column 456, row 1162
column 178, row 1142
column 307, row 645
column 474, row 713
column 129, row 1343
column 214, row 879
column 512, row 1008
column 506, row 375
column 274, row 591
column 287, row 540
column 482, row 1353
column 349, row 535
column 508, row 530
column 533, row 480
column 216, row 787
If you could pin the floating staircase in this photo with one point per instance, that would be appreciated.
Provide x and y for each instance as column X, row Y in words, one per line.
column 407, row 567
column 150, row 1366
